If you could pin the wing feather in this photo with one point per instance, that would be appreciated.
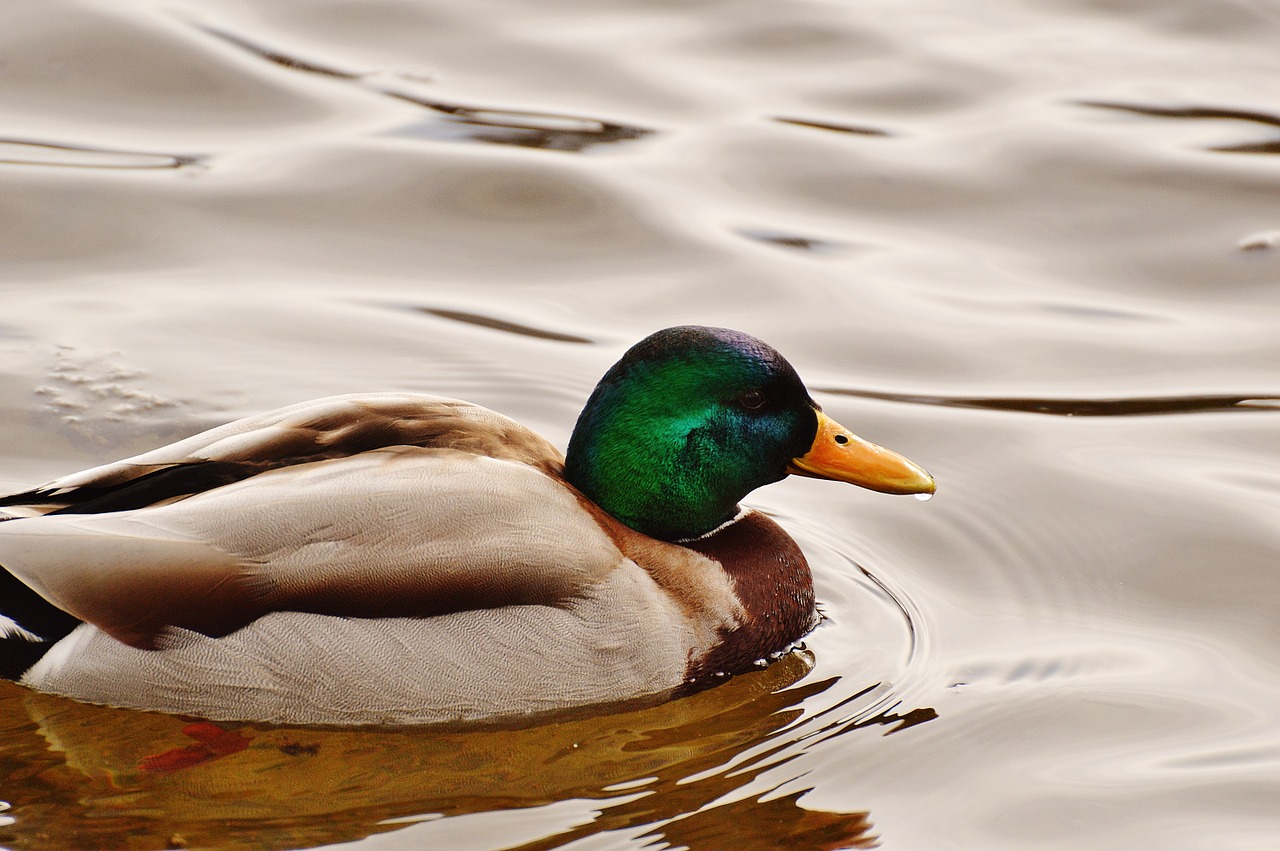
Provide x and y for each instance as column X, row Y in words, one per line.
column 392, row 532
column 322, row 429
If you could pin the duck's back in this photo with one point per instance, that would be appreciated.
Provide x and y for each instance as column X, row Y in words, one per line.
column 318, row 430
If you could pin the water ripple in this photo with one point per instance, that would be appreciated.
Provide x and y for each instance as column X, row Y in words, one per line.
column 493, row 125
column 31, row 152
column 1119, row 407
column 790, row 240
column 1202, row 113
column 856, row 129
column 525, row 129
column 282, row 59
column 496, row 324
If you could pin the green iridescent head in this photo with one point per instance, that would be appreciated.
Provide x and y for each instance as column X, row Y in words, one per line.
column 685, row 425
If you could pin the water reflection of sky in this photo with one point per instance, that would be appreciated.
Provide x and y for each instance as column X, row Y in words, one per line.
column 1031, row 248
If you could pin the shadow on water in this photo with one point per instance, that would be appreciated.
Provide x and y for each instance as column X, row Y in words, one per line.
column 457, row 122
column 107, row 778
column 1131, row 407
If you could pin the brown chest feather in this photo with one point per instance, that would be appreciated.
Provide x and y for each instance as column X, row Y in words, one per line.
column 773, row 582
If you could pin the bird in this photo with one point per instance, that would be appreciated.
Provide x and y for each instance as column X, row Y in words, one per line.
column 398, row 558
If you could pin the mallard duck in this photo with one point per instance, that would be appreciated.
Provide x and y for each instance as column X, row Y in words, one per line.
column 397, row 558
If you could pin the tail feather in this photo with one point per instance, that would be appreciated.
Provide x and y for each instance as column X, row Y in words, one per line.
column 29, row 626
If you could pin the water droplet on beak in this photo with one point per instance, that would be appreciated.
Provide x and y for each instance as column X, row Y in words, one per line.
column 923, row 497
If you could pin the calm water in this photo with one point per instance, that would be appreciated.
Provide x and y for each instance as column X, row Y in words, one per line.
column 1035, row 247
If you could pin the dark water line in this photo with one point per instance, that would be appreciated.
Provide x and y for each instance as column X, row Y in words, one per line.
column 501, row 325
column 282, row 59
column 913, row 639
column 1125, row 407
column 528, row 129
column 547, row 130
column 1272, row 147
column 1194, row 112
column 1204, row 113
column 161, row 161
column 854, row 129
column 789, row 240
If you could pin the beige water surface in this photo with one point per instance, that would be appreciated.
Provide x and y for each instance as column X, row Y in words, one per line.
column 1035, row 247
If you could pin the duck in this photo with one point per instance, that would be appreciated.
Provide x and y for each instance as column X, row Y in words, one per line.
column 398, row 558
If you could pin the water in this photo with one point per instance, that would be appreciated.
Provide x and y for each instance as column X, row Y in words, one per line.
column 1031, row 247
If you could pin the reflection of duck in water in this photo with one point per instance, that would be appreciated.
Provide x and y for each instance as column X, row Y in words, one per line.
column 406, row 558
column 231, row 785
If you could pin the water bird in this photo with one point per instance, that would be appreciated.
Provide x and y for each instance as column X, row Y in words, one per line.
column 398, row 558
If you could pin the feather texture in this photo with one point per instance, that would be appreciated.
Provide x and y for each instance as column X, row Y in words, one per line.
column 291, row 667
column 414, row 544
column 333, row 427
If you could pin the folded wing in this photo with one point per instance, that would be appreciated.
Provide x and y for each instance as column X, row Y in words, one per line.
column 322, row 429
column 468, row 517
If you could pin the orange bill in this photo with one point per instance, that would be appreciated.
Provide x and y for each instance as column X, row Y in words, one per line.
column 842, row 456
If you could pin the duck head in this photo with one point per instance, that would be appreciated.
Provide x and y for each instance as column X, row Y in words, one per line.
column 692, row 419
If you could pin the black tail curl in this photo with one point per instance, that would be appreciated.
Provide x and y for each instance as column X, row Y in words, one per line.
column 33, row 614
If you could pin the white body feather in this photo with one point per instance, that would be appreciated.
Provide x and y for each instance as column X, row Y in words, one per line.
column 298, row 668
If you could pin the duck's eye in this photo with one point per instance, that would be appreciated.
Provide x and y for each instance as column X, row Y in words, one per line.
column 752, row 400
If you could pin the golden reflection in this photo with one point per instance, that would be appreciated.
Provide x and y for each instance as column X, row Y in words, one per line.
column 112, row 778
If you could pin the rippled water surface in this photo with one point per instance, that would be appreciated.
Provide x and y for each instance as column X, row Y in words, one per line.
column 1035, row 247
